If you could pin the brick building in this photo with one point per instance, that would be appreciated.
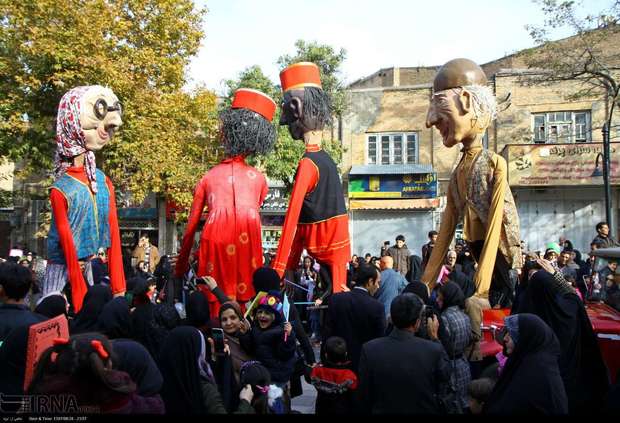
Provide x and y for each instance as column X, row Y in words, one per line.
column 550, row 141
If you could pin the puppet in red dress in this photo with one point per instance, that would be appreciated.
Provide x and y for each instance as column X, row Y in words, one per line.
column 82, row 197
column 316, row 218
column 230, row 244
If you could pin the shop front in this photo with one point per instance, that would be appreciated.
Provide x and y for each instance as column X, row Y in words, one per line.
column 388, row 200
column 558, row 191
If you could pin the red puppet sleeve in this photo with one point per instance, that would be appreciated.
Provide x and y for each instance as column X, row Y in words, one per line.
column 76, row 278
column 192, row 224
column 306, row 179
column 117, row 273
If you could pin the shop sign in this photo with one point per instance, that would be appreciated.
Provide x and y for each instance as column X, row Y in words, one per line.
column 422, row 185
column 560, row 164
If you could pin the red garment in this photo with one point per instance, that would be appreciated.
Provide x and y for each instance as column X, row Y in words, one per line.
column 230, row 243
column 76, row 278
column 326, row 241
column 338, row 376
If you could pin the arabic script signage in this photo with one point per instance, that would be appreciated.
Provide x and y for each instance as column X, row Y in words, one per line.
column 560, row 164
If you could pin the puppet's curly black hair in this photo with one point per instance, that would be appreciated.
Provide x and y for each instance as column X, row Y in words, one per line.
column 317, row 106
column 246, row 133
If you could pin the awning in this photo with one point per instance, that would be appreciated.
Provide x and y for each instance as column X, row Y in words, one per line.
column 400, row 204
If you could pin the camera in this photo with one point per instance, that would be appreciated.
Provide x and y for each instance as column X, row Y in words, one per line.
column 427, row 313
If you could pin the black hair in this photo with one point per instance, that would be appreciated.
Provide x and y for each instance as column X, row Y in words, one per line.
column 431, row 233
column 317, row 106
column 400, row 238
column 480, row 389
column 15, row 279
column 367, row 255
column 366, row 272
column 255, row 374
column 335, row 350
column 405, row 310
column 599, row 225
column 246, row 132
column 80, row 364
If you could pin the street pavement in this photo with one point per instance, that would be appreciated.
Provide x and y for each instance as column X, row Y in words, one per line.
column 305, row 402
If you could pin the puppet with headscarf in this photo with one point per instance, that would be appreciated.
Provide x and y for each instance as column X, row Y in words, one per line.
column 84, row 215
column 230, row 244
column 317, row 217
column 462, row 108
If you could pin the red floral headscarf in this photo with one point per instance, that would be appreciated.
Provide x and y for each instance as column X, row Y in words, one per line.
column 70, row 139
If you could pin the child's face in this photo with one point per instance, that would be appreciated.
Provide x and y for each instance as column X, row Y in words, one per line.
column 265, row 318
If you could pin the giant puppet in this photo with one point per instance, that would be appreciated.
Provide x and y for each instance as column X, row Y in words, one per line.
column 230, row 244
column 84, row 215
column 478, row 195
column 316, row 218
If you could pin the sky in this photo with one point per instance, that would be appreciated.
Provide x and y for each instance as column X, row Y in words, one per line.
column 375, row 33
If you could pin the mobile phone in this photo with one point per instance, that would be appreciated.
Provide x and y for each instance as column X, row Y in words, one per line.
column 218, row 338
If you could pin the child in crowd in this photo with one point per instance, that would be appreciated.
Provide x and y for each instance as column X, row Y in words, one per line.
column 271, row 340
column 479, row 391
column 268, row 398
column 83, row 367
column 333, row 380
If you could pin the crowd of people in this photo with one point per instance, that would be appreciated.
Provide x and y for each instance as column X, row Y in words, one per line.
column 387, row 344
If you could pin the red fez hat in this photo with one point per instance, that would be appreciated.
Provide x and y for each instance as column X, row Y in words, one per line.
column 256, row 101
column 299, row 75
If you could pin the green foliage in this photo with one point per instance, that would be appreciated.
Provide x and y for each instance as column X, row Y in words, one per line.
column 140, row 49
column 282, row 163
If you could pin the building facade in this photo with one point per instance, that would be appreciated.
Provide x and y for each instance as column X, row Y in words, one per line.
column 550, row 140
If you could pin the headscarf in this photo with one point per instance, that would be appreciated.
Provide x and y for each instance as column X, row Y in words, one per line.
column 95, row 299
column 134, row 359
column 530, row 382
column 581, row 363
column 452, row 295
column 464, row 282
column 115, row 319
column 197, row 310
column 233, row 305
column 418, row 288
column 52, row 305
column 70, row 138
column 180, row 367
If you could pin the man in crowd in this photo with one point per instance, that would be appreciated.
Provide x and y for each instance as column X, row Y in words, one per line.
column 564, row 265
column 402, row 373
column 427, row 248
column 603, row 239
column 147, row 253
column 356, row 316
column 400, row 253
column 392, row 283
column 15, row 282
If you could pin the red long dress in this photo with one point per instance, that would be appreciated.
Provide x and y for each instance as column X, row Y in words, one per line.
column 230, row 243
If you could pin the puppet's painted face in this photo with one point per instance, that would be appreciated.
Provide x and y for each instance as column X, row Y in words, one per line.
column 452, row 115
column 100, row 117
column 292, row 113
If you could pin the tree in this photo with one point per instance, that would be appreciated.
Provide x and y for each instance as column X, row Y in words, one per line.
column 282, row 163
column 140, row 49
column 585, row 57
column 588, row 57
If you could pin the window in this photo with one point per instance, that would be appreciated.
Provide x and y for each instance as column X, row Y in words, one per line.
column 397, row 148
column 561, row 127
